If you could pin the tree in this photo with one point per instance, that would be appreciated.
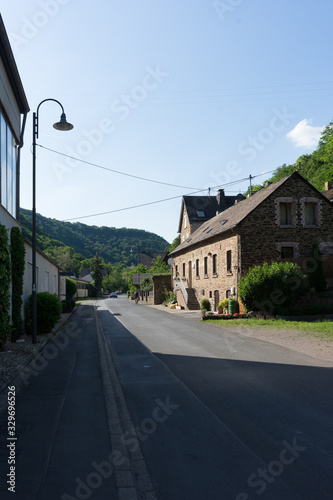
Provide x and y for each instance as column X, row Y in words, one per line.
column 270, row 287
column 97, row 274
column 175, row 243
column 159, row 267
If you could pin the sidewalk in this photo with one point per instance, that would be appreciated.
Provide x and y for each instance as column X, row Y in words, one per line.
column 59, row 440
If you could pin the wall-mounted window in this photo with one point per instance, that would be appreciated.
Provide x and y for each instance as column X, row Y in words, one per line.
column 206, row 266
column 185, row 221
column 176, row 270
column 184, row 269
column 8, row 154
column 229, row 262
column 285, row 212
column 286, row 218
column 197, row 268
column 311, row 212
column 288, row 250
column 215, row 263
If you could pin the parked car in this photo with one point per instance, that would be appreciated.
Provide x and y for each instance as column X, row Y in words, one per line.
column 113, row 295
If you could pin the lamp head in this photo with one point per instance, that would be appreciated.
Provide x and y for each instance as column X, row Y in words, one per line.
column 63, row 124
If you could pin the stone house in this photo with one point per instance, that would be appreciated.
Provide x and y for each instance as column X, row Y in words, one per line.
column 279, row 222
column 196, row 210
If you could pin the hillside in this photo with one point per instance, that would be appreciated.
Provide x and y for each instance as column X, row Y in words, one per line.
column 80, row 241
column 316, row 167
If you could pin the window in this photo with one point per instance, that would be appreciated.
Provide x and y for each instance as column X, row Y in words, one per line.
column 8, row 150
column 287, row 252
column 184, row 269
column 311, row 212
column 229, row 262
column 310, row 209
column 185, row 221
column 201, row 213
column 197, row 268
column 286, row 214
column 205, row 266
column 176, row 270
column 214, row 264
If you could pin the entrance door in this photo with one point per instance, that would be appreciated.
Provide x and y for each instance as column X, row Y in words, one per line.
column 216, row 299
column 190, row 274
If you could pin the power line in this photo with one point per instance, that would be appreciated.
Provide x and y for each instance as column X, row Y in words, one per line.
column 113, row 170
column 165, row 199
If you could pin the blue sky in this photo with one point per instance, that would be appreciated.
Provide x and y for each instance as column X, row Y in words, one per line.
column 195, row 94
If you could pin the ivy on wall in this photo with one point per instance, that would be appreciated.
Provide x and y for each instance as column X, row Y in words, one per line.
column 5, row 276
column 17, row 252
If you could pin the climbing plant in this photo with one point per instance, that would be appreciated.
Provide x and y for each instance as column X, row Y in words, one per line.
column 17, row 252
column 4, row 287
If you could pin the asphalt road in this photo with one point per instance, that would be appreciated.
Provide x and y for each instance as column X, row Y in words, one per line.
column 219, row 415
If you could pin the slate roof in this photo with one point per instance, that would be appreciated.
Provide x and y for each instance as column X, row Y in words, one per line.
column 146, row 258
column 203, row 208
column 231, row 217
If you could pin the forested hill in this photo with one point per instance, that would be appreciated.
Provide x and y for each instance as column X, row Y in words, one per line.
column 316, row 167
column 113, row 245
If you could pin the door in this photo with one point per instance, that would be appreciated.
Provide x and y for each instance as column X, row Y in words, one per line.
column 216, row 299
column 190, row 274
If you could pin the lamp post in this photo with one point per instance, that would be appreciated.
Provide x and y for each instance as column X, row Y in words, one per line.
column 61, row 125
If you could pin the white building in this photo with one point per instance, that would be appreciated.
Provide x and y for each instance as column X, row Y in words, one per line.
column 14, row 109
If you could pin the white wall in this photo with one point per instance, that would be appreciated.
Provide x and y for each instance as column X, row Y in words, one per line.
column 47, row 274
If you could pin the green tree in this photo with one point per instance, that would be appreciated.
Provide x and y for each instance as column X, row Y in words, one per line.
column 97, row 274
column 159, row 267
column 175, row 243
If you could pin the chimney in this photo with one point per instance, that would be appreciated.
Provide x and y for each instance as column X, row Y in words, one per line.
column 267, row 183
column 220, row 198
column 328, row 185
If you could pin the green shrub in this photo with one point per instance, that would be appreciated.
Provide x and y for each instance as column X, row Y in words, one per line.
column 205, row 305
column 49, row 310
column 67, row 305
column 17, row 252
column 5, row 276
column 270, row 287
column 71, row 287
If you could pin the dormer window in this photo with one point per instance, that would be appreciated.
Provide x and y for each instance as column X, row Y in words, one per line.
column 201, row 213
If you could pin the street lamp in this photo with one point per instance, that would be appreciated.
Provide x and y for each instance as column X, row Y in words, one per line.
column 61, row 125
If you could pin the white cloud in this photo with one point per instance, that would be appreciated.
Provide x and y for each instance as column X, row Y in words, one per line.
column 304, row 135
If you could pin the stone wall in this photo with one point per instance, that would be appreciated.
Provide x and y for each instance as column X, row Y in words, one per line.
column 160, row 283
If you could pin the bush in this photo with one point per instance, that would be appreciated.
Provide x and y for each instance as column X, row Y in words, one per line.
column 49, row 310
column 270, row 287
column 71, row 287
column 205, row 305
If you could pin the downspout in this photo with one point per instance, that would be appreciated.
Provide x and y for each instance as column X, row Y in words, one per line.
column 18, row 164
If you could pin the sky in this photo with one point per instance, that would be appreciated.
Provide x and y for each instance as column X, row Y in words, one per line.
column 167, row 99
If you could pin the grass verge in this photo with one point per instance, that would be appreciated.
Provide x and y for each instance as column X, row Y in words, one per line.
column 322, row 330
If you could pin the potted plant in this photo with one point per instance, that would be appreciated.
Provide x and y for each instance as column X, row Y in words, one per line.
column 222, row 305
